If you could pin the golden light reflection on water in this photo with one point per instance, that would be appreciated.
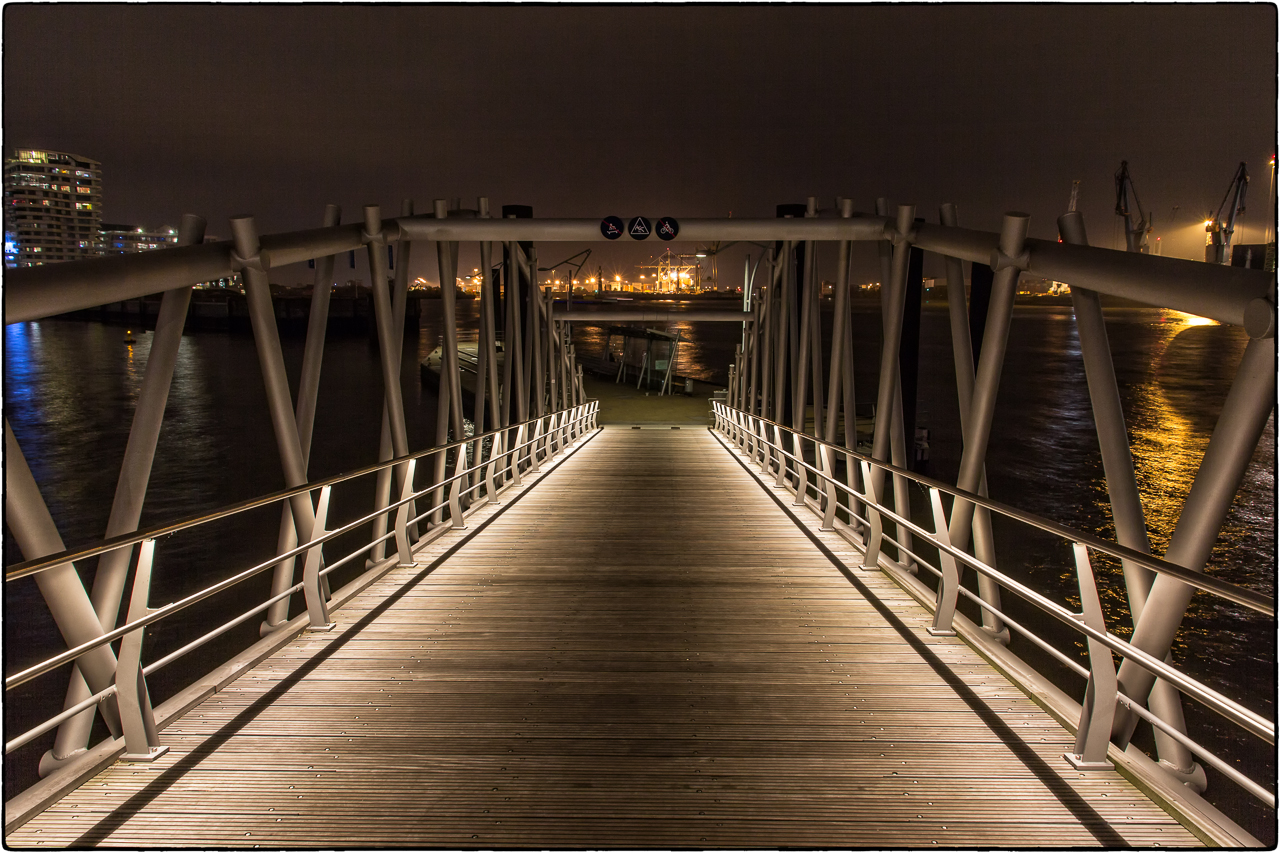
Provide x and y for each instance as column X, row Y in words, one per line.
column 1191, row 319
column 1169, row 433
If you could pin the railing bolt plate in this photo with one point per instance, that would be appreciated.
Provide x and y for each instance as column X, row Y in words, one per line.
column 145, row 757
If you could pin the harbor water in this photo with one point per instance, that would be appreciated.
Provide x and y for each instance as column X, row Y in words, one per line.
column 70, row 388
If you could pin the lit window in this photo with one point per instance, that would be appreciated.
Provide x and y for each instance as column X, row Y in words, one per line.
column 80, row 205
column 85, row 190
column 33, row 156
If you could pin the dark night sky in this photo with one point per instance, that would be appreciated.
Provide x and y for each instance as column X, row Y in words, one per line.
column 663, row 110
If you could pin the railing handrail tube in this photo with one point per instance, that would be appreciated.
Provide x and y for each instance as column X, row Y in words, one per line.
column 1228, row 708
column 166, row 610
column 31, row 567
column 1240, row 595
column 53, row 722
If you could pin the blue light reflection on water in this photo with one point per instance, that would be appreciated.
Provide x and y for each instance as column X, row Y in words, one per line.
column 70, row 387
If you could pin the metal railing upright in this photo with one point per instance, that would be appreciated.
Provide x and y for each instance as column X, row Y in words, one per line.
column 494, row 468
column 818, row 488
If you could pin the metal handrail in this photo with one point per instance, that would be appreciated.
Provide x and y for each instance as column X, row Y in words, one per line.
column 750, row 428
column 160, row 613
column 1242, row 716
column 31, row 567
column 564, row 430
column 1240, row 595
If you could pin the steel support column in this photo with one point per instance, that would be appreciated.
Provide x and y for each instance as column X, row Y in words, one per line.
column 1008, row 260
column 1122, row 489
column 450, row 397
column 841, row 369
column 267, row 339
column 399, row 306
column 784, row 346
column 131, row 487
column 984, row 546
column 800, row 364
column 893, row 302
column 305, row 415
column 37, row 536
column 1244, row 416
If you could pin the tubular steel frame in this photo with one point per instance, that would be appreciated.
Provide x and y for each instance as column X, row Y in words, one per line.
column 500, row 468
column 761, row 442
column 780, row 355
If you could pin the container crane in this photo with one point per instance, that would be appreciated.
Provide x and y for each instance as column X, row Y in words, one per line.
column 1217, row 249
column 1135, row 236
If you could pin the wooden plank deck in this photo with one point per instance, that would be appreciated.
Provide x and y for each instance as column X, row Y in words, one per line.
column 641, row 651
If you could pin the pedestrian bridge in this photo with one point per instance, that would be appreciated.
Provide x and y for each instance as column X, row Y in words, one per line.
column 572, row 670
column 741, row 633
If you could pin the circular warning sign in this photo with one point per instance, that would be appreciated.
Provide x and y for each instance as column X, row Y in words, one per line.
column 668, row 228
column 611, row 227
column 639, row 228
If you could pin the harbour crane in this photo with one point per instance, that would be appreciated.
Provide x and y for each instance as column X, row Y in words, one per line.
column 1135, row 235
column 1217, row 249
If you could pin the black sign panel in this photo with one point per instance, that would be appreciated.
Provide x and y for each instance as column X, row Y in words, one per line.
column 611, row 227
column 668, row 228
column 639, row 228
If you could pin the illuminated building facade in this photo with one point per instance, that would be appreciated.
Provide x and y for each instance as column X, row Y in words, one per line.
column 126, row 239
column 52, row 207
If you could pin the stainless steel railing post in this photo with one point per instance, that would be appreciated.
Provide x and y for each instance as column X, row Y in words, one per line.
column 875, row 537
column 141, row 739
column 1093, row 734
column 313, row 590
column 949, row 584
